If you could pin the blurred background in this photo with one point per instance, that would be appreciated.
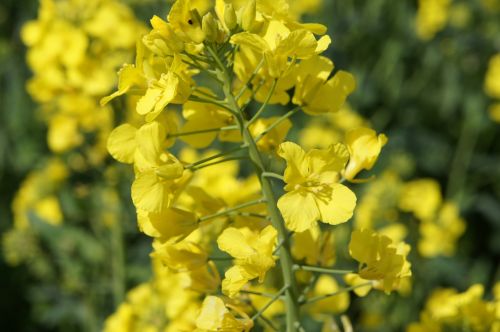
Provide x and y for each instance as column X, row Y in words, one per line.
column 421, row 80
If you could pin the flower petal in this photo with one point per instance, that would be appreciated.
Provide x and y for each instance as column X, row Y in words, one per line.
column 339, row 207
column 299, row 210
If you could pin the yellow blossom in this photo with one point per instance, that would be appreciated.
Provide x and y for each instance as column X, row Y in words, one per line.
column 364, row 147
column 215, row 316
column 312, row 189
column 315, row 92
column 421, row 197
column 492, row 81
column 181, row 256
column 169, row 224
column 253, row 253
column 432, row 17
column 380, row 259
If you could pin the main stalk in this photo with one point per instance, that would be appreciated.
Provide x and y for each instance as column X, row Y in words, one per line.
column 286, row 261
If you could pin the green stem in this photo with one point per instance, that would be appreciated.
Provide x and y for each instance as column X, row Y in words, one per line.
column 228, row 211
column 215, row 156
column 464, row 152
column 195, row 168
column 250, row 214
column 344, row 290
column 243, row 291
column 118, row 263
column 198, row 99
column 264, row 104
column 286, row 261
column 247, row 84
column 312, row 282
column 202, row 131
column 272, row 175
column 268, row 304
column 320, row 269
column 265, row 319
column 277, row 122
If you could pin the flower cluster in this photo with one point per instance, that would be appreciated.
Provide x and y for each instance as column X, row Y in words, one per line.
column 446, row 309
column 74, row 49
column 439, row 222
column 205, row 78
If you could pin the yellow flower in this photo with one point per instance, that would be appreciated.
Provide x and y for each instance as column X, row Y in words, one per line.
column 185, row 18
column 364, row 148
column 63, row 133
column 431, row 17
column 170, row 224
column 313, row 191
column 446, row 309
column 171, row 87
column 494, row 112
column 162, row 39
column 129, row 77
column 279, row 43
column 253, row 253
column 421, row 197
column 181, row 256
column 205, row 279
column 49, row 210
column 492, row 81
column 215, row 316
column 315, row 92
column 380, row 259
column 440, row 234
column 159, row 175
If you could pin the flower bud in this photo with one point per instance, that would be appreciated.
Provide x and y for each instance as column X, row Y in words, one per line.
column 248, row 15
column 230, row 17
column 209, row 27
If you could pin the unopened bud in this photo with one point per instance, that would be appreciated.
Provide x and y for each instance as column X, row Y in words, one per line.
column 248, row 15
column 230, row 17
column 209, row 27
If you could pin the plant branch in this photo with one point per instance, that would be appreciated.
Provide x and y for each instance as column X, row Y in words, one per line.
column 215, row 156
column 344, row 290
column 268, row 304
column 320, row 269
column 202, row 131
column 234, row 208
column 264, row 104
column 277, row 122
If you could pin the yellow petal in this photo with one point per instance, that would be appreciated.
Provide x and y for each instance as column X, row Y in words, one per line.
column 250, row 40
column 234, row 280
column 294, row 155
column 337, row 208
column 150, row 141
column 122, row 144
column 147, row 102
column 299, row 210
column 233, row 241
column 149, row 193
column 211, row 314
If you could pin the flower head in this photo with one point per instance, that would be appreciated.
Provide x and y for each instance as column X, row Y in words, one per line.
column 313, row 190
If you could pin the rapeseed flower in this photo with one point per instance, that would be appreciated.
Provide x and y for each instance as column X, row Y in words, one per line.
column 313, row 191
